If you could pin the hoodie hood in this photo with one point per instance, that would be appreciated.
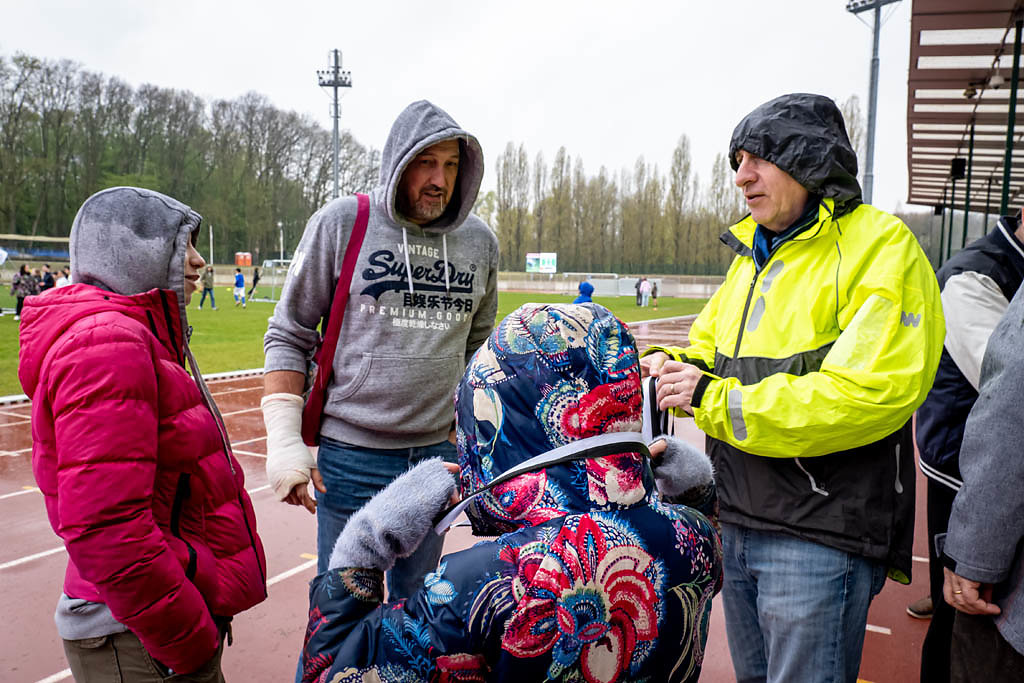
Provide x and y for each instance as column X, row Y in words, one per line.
column 805, row 136
column 129, row 240
column 419, row 126
column 548, row 375
column 586, row 289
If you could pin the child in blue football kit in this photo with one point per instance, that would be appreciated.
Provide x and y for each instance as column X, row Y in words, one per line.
column 239, row 287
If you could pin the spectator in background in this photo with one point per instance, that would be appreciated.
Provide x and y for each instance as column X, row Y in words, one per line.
column 586, row 290
column 65, row 277
column 984, row 575
column 47, row 279
column 977, row 285
column 255, row 281
column 23, row 285
column 207, row 280
column 639, row 282
column 239, row 287
column 645, row 292
column 654, row 294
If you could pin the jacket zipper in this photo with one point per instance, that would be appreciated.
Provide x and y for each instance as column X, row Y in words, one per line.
column 182, row 493
column 746, row 309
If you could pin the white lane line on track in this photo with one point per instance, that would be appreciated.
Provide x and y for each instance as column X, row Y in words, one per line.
column 59, row 676
column 54, row 551
column 242, row 443
column 233, row 391
column 10, row 414
column 233, row 412
column 255, row 455
column 291, row 572
column 29, row 558
column 879, row 629
column 15, row 424
column 28, row 489
column 917, row 558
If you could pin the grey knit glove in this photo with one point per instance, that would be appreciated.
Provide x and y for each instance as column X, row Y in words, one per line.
column 395, row 521
column 683, row 473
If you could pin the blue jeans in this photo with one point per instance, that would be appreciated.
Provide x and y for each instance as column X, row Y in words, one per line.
column 352, row 475
column 794, row 610
column 203, row 297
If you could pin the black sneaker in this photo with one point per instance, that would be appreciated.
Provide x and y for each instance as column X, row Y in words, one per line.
column 921, row 609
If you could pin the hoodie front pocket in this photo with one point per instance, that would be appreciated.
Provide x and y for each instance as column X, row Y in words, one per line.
column 399, row 394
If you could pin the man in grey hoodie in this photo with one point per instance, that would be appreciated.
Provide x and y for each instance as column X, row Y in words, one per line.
column 422, row 299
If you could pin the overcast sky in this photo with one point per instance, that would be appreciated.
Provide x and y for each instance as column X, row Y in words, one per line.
column 608, row 80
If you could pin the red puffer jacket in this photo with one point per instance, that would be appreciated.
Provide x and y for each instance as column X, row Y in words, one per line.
column 134, row 466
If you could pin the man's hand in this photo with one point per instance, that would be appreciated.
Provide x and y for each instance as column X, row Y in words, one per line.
column 650, row 366
column 676, row 382
column 969, row 597
column 290, row 464
column 300, row 495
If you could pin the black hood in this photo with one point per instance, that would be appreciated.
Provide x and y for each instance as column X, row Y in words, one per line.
column 805, row 136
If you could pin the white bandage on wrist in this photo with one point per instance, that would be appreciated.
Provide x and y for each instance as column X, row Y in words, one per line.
column 289, row 461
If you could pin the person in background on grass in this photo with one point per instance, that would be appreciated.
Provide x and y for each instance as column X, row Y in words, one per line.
column 255, row 281
column 47, row 279
column 22, row 285
column 586, row 290
column 804, row 370
column 65, row 277
column 645, row 292
column 131, row 454
column 984, row 563
column 977, row 285
column 207, row 281
column 600, row 573
column 239, row 287
column 639, row 283
column 654, row 295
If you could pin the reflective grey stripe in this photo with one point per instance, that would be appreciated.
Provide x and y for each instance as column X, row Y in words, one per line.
column 739, row 426
column 756, row 314
column 814, row 485
column 899, row 484
column 776, row 268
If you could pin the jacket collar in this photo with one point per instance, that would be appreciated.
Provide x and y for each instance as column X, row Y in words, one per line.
column 740, row 236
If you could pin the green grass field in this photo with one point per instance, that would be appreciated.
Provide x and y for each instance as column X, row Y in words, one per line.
column 232, row 338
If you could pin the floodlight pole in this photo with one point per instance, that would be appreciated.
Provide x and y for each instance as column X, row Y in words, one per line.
column 1004, row 205
column 335, row 78
column 211, row 244
column 280, row 239
column 856, row 7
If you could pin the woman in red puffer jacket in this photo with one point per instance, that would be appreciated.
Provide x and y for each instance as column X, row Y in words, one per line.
column 131, row 453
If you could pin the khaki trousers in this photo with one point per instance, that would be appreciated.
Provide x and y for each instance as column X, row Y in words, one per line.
column 120, row 658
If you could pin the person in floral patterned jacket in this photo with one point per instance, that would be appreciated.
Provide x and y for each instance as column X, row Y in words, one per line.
column 599, row 572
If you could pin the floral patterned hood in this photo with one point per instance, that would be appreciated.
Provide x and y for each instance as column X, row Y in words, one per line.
column 548, row 375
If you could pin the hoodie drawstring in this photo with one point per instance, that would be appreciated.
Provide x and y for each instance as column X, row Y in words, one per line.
column 444, row 244
column 408, row 268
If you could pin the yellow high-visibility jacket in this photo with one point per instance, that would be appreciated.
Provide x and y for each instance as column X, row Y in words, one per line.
column 815, row 364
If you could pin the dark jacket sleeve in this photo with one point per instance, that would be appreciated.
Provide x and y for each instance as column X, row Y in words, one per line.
column 428, row 636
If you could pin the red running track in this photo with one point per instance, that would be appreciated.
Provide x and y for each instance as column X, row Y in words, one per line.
column 267, row 638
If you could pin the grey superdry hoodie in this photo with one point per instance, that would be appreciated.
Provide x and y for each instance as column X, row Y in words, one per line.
column 404, row 344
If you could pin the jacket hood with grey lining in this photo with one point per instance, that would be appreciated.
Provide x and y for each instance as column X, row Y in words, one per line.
column 421, row 125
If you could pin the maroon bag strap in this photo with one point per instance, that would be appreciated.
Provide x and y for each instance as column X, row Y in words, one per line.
column 348, row 266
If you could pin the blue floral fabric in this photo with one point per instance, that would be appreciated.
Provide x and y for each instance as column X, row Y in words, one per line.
column 593, row 577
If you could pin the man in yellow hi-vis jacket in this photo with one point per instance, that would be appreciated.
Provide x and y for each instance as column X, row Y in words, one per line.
column 804, row 370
